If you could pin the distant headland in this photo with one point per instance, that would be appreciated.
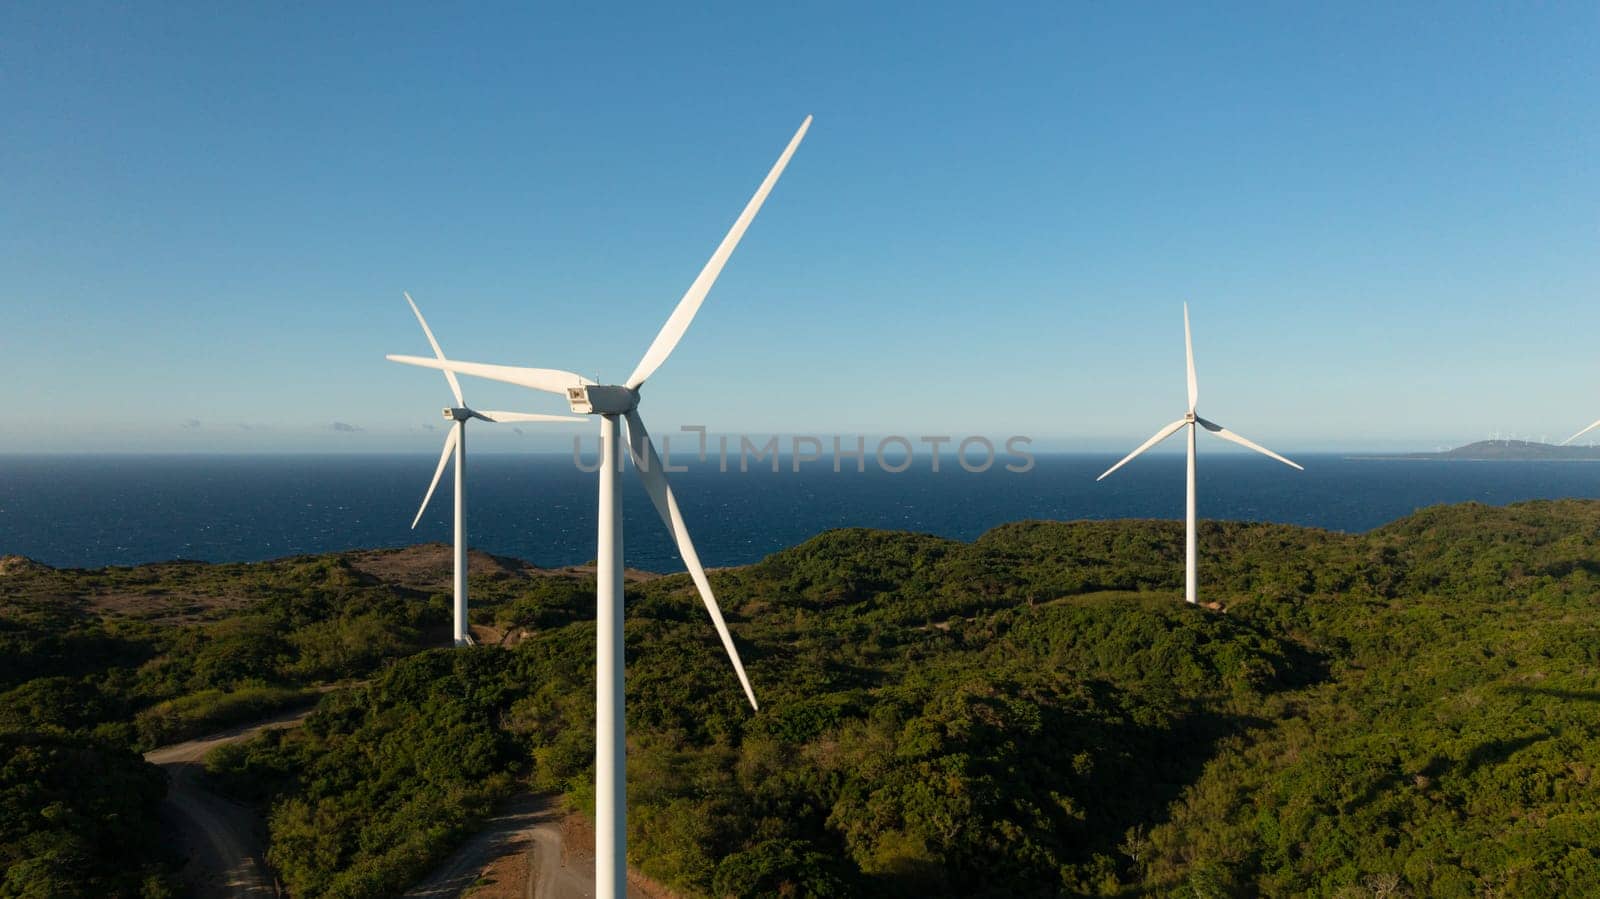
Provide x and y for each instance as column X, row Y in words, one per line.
column 1499, row 451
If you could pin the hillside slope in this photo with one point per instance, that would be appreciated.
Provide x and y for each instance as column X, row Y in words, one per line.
column 1032, row 713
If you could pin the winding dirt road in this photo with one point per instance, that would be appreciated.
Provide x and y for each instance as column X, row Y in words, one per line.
column 222, row 839
column 526, row 830
column 527, row 851
column 522, row 846
column 522, row 852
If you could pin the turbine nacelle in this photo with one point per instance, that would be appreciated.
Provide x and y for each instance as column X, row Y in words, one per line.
column 459, row 414
column 602, row 399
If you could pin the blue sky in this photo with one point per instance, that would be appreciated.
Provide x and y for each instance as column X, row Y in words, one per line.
column 1386, row 220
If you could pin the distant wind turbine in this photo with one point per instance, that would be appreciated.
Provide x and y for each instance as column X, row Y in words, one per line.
column 455, row 441
column 614, row 403
column 1580, row 433
column 1191, row 420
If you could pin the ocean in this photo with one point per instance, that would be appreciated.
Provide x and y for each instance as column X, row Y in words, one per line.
column 93, row 511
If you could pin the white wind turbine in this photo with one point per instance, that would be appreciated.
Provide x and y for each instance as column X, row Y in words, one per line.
column 613, row 403
column 455, row 441
column 1192, row 420
column 1580, row 433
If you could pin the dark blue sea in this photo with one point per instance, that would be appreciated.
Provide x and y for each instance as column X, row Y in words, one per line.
column 91, row 511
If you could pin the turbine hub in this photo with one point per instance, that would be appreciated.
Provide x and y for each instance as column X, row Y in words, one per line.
column 1189, row 417
column 602, row 399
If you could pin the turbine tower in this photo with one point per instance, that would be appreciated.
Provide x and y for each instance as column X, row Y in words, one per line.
column 1192, row 421
column 615, row 403
column 455, row 441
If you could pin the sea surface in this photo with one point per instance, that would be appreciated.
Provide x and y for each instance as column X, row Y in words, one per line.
column 93, row 511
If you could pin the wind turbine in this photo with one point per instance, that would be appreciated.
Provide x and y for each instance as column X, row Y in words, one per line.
column 455, row 441
column 1580, row 433
column 1193, row 421
column 613, row 403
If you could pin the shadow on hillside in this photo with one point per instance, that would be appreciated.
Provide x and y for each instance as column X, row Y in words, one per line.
column 1154, row 765
column 1565, row 567
column 1300, row 666
column 1071, row 782
column 1496, row 751
column 1492, row 752
column 1557, row 693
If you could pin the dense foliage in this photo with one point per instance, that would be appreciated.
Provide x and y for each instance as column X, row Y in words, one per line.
column 1036, row 713
column 75, row 819
column 97, row 666
column 160, row 653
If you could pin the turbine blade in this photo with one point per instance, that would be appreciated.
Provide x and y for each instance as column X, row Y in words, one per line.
column 547, row 379
column 1161, row 435
column 1188, row 349
column 678, row 323
column 444, row 459
column 1226, row 434
column 455, row 386
column 648, row 464
column 494, row 415
column 1580, row 433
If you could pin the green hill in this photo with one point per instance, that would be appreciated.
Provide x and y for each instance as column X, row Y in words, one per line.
column 1035, row 713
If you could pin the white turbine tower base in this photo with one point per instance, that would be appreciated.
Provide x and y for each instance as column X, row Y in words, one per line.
column 611, row 721
column 1192, row 421
column 613, row 402
column 455, row 443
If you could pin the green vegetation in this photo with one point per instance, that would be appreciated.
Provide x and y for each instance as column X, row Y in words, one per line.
column 194, row 714
column 98, row 666
column 378, row 795
column 75, row 818
column 160, row 653
column 1411, row 711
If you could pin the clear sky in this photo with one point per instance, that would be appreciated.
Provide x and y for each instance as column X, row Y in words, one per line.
column 1385, row 218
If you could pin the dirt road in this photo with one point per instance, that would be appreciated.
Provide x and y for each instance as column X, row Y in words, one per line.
column 526, row 851
column 519, row 850
column 222, row 839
